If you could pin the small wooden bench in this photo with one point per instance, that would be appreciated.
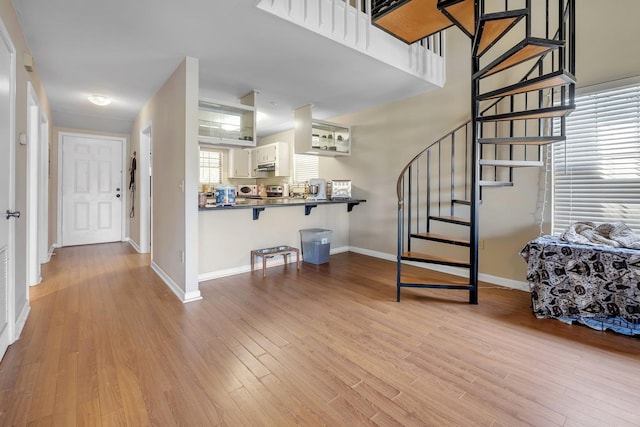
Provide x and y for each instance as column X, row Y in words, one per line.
column 266, row 253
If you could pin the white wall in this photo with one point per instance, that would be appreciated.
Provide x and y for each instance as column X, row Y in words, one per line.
column 173, row 112
column 9, row 17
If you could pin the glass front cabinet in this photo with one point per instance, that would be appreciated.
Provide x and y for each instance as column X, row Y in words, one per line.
column 319, row 137
column 227, row 125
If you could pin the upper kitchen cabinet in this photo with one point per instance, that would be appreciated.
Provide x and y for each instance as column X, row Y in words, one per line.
column 240, row 163
column 223, row 124
column 319, row 137
column 271, row 158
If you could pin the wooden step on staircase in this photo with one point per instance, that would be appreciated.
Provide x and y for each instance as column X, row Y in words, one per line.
column 523, row 88
column 551, row 80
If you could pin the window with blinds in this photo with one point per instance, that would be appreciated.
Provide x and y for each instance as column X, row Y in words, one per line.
column 210, row 166
column 596, row 172
column 305, row 167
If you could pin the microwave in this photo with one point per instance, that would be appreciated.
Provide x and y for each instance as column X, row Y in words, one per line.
column 247, row 190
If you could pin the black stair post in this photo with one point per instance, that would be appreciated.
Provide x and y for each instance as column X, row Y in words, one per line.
column 475, row 172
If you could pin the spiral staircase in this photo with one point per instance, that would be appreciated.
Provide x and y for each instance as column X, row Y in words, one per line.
column 523, row 85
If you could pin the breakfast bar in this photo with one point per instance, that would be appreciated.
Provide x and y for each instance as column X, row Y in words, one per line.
column 259, row 205
column 228, row 234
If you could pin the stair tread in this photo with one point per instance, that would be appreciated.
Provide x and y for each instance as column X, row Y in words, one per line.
column 454, row 219
column 406, row 22
column 487, row 183
column 538, row 113
column 433, row 258
column 493, row 26
column 462, row 13
column 557, row 78
column 512, row 163
column 440, row 237
column 417, row 279
column 527, row 49
column 524, row 140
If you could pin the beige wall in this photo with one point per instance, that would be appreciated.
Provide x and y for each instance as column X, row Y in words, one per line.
column 607, row 41
column 10, row 20
column 386, row 137
column 173, row 114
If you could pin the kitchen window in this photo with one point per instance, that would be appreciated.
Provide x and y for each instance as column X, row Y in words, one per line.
column 210, row 166
column 305, row 167
column 596, row 172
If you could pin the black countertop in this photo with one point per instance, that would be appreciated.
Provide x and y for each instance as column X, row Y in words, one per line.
column 258, row 205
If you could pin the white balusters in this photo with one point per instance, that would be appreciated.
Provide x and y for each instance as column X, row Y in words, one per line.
column 349, row 23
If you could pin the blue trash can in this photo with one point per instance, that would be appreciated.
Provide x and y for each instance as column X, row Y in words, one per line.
column 316, row 245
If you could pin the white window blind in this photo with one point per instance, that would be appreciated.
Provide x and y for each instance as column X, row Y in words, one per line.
column 210, row 166
column 597, row 171
column 305, row 167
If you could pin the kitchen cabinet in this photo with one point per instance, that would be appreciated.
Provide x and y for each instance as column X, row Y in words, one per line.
column 253, row 171
column 319, row 137
column 266, row 153
column 239, row 163
column 269, row 158
column 224, row 124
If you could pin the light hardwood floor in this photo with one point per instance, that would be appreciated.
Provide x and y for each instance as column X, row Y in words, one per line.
column 107, row 344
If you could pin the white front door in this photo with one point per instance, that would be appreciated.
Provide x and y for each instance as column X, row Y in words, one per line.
column 7, row 191
column 91, row 189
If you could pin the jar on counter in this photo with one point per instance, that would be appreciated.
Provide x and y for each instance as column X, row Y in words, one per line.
column 262, row 190
column 225, row 195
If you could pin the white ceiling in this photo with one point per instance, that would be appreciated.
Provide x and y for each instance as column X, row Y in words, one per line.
column 127, row 49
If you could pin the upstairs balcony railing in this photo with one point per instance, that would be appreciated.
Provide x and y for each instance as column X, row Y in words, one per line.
column 349, row 23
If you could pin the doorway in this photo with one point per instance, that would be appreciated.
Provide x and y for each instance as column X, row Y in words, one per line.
column 146, row 200
column 10, row 297
column 37, row 187
column 91, row 188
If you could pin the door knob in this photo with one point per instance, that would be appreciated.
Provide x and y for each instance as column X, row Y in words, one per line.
column 15, row 214
column 118, row 195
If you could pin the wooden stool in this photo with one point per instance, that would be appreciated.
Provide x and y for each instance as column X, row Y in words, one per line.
column 271, row 252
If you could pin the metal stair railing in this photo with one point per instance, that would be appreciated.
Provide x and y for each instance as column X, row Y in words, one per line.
column 433, row 183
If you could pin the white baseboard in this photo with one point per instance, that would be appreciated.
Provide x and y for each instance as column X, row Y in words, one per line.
column 271, row 262
column 507, row 283
column 135, row 246
column 203, row 277
column 461, row 272
column 184, row 297
column 375, row 254
column 50, row 253
column 499, row 281
column 21, row 321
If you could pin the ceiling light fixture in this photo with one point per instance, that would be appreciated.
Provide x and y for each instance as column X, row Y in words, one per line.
column 100, row 100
